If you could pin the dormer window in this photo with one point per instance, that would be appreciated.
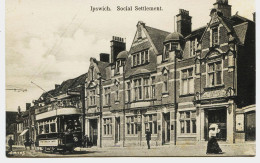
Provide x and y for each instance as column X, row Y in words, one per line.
column 140, row 58
column 167, row 50
column 172, row 46
column 215, row 40
column 192, row 47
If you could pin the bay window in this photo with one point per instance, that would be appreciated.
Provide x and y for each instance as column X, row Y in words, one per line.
column 146, row 88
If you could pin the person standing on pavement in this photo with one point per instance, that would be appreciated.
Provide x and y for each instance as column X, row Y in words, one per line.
column 213, row 147
column 10, row 144
column 148, row 137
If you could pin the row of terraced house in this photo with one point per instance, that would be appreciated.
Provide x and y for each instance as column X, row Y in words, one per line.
column 174, row 84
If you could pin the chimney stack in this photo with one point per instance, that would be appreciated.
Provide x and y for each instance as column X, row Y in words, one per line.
column 57, row 86
column 224, row 7
column 117, row 45
column 28, row 105
column 104, row 57
column 184, row 22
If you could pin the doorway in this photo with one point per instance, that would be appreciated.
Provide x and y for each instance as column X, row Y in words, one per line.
column 117, row 130
column 166, row 132
column 250, row 126
column 93, row 131
column 219, row 117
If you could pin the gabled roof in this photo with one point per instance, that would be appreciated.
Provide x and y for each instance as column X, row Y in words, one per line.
column 102, row 68
column 241, row 31
column 64, row 87
column 196, row 33
column 157, row 36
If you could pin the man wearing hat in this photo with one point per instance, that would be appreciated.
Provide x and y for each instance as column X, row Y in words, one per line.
column 148, row 137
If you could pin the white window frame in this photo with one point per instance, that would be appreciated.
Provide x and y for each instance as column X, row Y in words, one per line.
column 153, row 121
column 190, row 119
column 215, row 78
column 188, row 78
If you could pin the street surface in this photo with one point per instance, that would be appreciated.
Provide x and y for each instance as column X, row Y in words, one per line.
column 246, row 149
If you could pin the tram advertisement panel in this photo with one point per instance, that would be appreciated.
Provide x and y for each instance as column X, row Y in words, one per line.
column 48, row 143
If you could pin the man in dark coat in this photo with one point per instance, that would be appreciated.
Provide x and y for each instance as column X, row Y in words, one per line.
column 148, row 137
column 10, row 144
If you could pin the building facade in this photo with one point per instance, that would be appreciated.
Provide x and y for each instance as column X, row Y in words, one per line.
column 174, row 84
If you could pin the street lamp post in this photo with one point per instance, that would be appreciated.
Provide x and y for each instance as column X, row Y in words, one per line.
column 100, row 109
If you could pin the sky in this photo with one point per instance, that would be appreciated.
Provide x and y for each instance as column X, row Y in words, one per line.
column 49, row 41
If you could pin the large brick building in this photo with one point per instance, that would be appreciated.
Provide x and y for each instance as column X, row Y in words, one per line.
column 176, row 84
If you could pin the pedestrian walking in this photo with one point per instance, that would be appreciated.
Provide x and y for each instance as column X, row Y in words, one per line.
column 10, row 144
column 213, row 147
column 148, row 137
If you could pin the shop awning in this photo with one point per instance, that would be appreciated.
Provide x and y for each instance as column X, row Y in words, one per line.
column 24, row 131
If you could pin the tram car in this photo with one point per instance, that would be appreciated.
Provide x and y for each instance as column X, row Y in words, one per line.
column 59, row 131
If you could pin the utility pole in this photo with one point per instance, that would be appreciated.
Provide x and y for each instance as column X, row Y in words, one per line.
column 100, row 108
column 124, row 104
column 83, row 109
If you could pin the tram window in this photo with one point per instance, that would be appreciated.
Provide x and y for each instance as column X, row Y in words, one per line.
column 46, row 128
column 40, row 129
column 53, row 127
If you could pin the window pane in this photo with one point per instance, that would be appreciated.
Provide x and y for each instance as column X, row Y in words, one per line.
column 128, row 128
column 151, row 127
column 218, row 66
column 218, row 75
column 138, row 59
column 191, row 85
column 188, row 126
column 53, row 129
column 132, row 128
column 142, row 57
column 182, row 115
column 187, row 114
column 146, row 56
column 184, row 74
column 193, row 126
column 182, row 126
column 190, row 72
column 134, row 60
column 185, row 87
column 211, row 67
column 155, row 127
column 211, row 79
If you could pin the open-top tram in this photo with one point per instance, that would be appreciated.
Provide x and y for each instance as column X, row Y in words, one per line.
column 59, row 129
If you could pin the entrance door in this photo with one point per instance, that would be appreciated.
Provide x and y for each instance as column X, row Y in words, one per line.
column 166, row 128
column 117, row 130
column 93, row 131
column 250, row 126
column 219, row 117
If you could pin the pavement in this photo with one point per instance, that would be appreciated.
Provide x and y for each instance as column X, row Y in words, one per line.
column 198, row 150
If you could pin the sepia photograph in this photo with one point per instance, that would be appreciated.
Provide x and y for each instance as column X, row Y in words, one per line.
column 130, row 78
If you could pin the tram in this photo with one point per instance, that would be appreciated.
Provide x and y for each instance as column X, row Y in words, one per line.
column 59, row 129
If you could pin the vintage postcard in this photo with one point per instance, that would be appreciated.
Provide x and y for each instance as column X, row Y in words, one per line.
column 138, row 78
